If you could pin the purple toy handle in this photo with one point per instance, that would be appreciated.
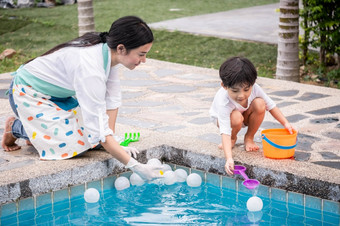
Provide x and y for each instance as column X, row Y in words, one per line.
column 248, row 183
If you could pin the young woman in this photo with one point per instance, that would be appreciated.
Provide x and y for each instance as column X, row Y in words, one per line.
column 66, row 101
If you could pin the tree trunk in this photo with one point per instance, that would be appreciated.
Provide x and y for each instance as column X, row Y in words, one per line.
column 85, row 17
column 287, row 67
column 306, row 36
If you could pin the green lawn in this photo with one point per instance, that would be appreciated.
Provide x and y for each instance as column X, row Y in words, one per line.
column 32, row 31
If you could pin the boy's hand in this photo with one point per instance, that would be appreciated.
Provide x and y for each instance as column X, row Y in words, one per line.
column 289, row 127
column 229, row 166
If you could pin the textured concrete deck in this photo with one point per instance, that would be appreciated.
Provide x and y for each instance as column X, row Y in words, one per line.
column 169, row 103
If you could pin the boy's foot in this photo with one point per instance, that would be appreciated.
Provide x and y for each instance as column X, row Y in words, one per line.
column 249, row 145
column 8, row 140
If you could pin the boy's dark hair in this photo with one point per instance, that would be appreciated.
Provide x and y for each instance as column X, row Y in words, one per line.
column 237, row 70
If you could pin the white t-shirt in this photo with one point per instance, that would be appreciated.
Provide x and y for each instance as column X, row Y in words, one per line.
column 81, row 69
column 223, row 105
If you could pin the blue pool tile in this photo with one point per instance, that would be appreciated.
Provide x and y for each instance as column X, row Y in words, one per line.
column 279, row 208
column 278, row 194
column 8, row 209
column 9, row 220
column 296, row 209
column 61, row 205
column 95, row 184
column 77, row 190
column 109, row 182
column 229, row 183
column 294, row 219
column 295, row 198
column 26, row 204
column 332, row 219
column 331, row 206
column 313, row 218
column 187, row 169
column 60, row 195
column 263, row 191
column 24, row 218
column 44, row 219
column 313, row 202
column 43, row 199
column 313, row 214
column 45, row 209
column 77, row 202
column 213, row 179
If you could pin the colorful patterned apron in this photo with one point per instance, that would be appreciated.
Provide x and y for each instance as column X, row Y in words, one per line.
column 55, row 133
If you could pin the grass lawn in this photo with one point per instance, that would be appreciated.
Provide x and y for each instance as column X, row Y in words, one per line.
column 32, row 31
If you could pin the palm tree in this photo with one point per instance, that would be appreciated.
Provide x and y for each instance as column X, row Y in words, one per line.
column 85, row 17
column 287, row 67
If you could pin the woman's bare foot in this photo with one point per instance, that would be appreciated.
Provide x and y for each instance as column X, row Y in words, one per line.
column 8, row 140
column 249, row 144
column 28, row 142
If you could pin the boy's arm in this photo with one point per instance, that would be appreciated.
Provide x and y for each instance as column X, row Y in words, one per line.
column 226, row 146
column 277, row 114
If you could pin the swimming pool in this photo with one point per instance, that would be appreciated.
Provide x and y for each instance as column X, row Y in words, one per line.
column 219, row 201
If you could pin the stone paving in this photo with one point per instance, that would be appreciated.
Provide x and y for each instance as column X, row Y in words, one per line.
column 169, row 100
column 169, row 104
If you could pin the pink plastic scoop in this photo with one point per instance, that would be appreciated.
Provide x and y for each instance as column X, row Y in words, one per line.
column 248, row 183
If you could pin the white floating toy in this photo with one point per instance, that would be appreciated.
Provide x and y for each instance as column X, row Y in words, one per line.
column 254, row 204
column 194, row 180
column 154, row 162
column 166, row 167
column 181, row 175
column 91, row 195
column 169, row 177
column 135, row 179
column 122, row 183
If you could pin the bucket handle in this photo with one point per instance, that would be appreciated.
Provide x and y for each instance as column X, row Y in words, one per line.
column 276, row 145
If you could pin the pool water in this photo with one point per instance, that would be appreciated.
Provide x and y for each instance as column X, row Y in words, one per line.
column 178, row 204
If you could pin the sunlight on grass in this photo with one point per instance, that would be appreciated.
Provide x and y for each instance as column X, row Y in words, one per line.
column 32, row 31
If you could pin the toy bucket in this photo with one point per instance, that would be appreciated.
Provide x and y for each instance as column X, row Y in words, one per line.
column 278, row 143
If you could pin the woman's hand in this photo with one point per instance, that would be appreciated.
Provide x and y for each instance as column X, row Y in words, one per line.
column 145, row 171
column 131, row 151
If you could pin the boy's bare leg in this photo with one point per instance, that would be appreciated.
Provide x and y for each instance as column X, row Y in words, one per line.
column 253, row 118
column 236, row 121
column 8, row 140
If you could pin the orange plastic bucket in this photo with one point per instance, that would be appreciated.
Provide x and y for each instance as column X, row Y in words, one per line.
column 278, row 143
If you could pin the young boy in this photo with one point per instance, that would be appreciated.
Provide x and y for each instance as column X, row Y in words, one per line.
column 241, row 102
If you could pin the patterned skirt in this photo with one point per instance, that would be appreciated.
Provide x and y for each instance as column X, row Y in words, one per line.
column 55, row 133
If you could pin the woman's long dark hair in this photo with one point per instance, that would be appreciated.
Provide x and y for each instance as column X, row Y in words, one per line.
column 131, row 31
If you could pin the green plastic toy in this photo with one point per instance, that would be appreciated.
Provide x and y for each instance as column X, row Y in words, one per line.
column 130, row 137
